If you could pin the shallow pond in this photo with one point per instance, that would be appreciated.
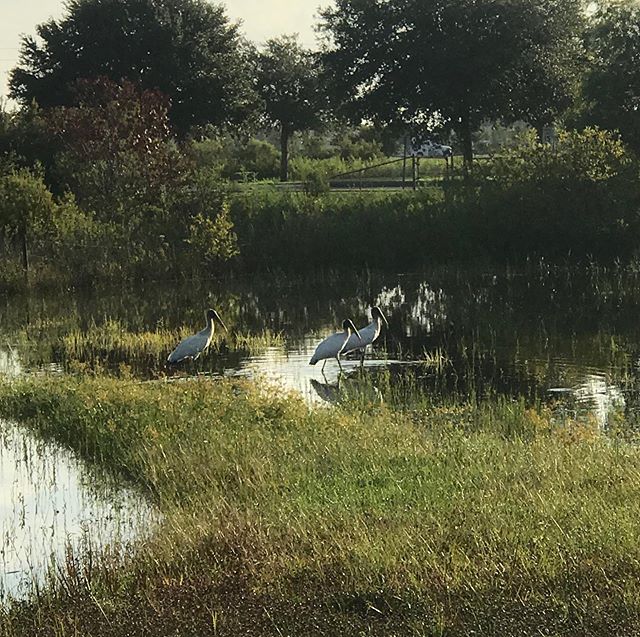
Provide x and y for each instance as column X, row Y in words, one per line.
column 569, row 337
column 55, row 511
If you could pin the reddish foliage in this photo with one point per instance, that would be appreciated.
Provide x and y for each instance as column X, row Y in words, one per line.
column 110, row 118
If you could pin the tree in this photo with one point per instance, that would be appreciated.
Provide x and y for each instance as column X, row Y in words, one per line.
column 27, row 209
column 611, row 88
column 288, row 81
column 25, row 140
column 117, row 155
column 185, row 48
column 454, row 63
column 154, row 210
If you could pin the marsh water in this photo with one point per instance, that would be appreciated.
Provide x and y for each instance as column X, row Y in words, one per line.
column 566, row 337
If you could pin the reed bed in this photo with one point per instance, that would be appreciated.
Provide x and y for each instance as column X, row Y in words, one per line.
column 110, row 343
column 365, row 519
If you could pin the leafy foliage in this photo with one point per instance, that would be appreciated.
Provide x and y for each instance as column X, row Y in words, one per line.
column 454, row 63
column 26, row 205
column 590, row 155
column 185, row 48
column 25, row 139
column 117, row 150
column 581, row 196
column 30, row 215
column 611, row 87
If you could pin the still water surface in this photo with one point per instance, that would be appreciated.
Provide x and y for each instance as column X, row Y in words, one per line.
column 54, row 511
column 569, row 337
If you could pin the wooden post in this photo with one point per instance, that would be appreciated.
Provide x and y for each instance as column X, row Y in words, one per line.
column 404, row 163
column 413, row 171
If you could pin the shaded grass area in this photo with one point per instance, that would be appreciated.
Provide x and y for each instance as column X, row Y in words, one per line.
column 366, row 519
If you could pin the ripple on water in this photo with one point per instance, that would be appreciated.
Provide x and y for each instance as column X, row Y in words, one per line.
column 51, row 504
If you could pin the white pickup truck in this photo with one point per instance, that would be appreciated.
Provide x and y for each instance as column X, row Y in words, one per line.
column 420, row 148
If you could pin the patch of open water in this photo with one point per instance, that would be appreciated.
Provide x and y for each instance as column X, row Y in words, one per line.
column 54, row 507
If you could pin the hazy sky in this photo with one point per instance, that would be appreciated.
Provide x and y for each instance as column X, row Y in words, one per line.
column 261, row 19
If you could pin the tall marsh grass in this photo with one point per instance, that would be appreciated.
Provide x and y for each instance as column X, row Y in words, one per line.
column 363, row 519
column 579, row 199
column 111, row 344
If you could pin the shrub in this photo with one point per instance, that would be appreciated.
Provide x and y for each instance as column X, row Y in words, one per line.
column 580, row 196
column 27, row 209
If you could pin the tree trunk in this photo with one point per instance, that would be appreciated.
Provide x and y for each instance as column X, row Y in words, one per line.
column 467, row 143
column 284, row 152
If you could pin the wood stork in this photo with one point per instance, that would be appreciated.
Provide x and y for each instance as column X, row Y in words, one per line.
column 368, row 333
column 333, row 345
column 192, row 346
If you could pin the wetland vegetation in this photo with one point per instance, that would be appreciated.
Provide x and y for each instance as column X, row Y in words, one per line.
column 446, row 488
column 477, row 474
column 363, row 519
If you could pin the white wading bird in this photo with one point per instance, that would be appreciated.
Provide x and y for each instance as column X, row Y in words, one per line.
column 192, row 346
column 368, row 334
column 333, row 345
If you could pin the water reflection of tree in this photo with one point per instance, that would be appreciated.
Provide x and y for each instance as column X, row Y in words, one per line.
column 501, row 331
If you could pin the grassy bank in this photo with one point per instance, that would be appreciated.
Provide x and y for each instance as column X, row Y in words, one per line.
column 365, row 519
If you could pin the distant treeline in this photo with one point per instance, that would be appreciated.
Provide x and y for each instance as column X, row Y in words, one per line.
column 140, row 122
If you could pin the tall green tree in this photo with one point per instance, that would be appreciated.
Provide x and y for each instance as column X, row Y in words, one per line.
column 187, row 49
column 454, row 62
column 288, row 79
column 611, row 88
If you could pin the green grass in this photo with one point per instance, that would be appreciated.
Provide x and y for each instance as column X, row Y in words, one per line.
column 364, row 519
column 110, row 345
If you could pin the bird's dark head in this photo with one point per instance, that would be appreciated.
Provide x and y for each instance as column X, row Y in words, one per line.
column 376, row 312
column 212, row 315
column 348, row 326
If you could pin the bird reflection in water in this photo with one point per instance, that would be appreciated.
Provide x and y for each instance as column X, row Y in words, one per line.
column 348, row 387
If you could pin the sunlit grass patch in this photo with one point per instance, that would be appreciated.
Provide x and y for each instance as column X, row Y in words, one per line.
column 462, row 517
column 110, row 343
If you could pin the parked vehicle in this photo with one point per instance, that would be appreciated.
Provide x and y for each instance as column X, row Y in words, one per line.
column 428, row 148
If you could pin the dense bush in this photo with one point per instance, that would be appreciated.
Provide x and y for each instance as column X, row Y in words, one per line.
column 36, row 227
column 233, row 159
column 580, row 197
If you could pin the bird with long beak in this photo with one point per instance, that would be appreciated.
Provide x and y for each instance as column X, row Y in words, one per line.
column 333, row 345
column 368, row 334
column 192, row 346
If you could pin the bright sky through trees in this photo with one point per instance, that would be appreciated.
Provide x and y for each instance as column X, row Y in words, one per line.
column 261, row 19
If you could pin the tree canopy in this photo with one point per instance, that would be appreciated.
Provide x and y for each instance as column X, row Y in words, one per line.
column 454, row 62
column 611, row 88
column 187, row 49
column 288, row 80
